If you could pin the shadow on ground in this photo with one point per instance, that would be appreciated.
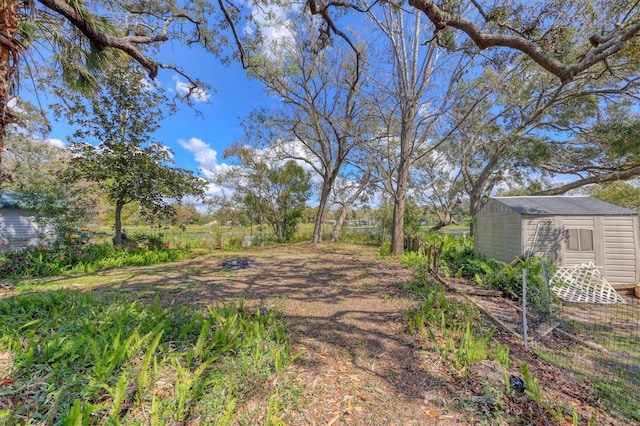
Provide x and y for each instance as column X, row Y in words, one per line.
column 343, row 308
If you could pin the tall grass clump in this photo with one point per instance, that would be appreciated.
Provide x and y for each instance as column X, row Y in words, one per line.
column 452, row 329
column 79, row 359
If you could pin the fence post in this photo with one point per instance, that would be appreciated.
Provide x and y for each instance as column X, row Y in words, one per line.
column 524, row 310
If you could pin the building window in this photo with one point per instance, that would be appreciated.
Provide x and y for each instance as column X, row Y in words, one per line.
column 580, row 240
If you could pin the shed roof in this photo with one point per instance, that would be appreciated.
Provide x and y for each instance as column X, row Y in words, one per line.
column 563, row 205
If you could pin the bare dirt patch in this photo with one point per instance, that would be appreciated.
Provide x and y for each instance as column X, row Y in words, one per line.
column 344, row 309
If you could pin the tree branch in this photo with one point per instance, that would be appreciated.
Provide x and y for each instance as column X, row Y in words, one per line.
column 243, row 55
column 323, row 11
column 601, row 178
column 101, row 40
column 602, row 46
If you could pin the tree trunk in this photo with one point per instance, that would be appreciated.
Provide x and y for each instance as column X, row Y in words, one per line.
column 327, row 185
column 3, row 107
column 399, row 204
column 262, row 226
column 277, row 224
column 475, row 200
column 337, row 229
column 316, row 238
column 11, row 50
column 117, row 238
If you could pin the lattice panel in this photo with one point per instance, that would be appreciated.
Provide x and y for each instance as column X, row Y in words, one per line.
column 584, row 283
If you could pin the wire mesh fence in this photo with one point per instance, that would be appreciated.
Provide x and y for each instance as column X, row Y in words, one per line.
column 591, row 333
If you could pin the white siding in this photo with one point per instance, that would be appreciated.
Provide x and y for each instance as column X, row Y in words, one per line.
column 497, row 232
column 621, row 249
column 17, row 228
column 543, row 237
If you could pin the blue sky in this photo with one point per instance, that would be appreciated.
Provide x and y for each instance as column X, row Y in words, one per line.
column 198, row 139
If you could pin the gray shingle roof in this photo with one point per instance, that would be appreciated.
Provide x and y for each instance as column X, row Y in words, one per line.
column 563, row 205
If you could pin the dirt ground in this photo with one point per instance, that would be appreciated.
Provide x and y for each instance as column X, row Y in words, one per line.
column 357, row 364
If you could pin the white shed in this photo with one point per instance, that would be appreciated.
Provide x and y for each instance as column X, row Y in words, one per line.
column 565, row 230
column 18, row 227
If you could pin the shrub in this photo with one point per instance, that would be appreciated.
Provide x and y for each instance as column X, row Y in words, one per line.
column 59, row 259
column 147, row 241
column 39, row 261
column 476, row 269
column 385, row 249
column 457, row 258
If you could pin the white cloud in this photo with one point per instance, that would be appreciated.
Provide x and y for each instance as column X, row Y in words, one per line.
column 273, row 23
column 197, row 94
column 205, row 156
column 55, row 142
column 303, row 157
column 207, row 159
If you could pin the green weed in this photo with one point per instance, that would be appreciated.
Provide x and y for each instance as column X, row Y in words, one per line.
column 450, row 327
column 46, row 261
column 502, row 354
column 471, row 348
column 272, row 418
column 531, row 385
column 105, row 360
